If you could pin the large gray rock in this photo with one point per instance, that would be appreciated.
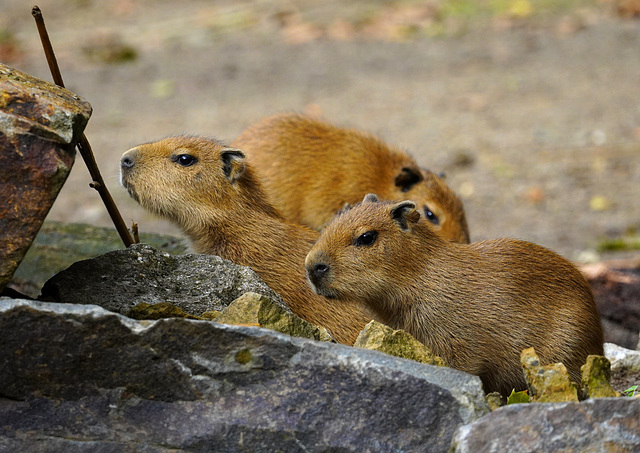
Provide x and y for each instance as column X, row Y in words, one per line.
column 595, row 425
column 79, row 378
column 120, row 279
column 58, row 245
column 40, row 123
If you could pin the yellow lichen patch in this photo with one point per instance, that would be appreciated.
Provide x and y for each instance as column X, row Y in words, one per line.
column 243, row 357
column 252, row 309
column 210, row 315
column 596, row 374
column 378, row 337
column 494, row 400
column 162, row 310
column 547, row 383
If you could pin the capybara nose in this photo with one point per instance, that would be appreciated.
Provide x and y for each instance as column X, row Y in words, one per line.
column 317, row 271
column 127, row 162
column 128, row 159
column 320, row 269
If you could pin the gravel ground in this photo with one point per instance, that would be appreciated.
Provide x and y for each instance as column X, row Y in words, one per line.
column 535, row 119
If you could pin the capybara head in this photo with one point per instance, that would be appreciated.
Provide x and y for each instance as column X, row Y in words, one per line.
column 181, row 178
column 365, row 247
column 437, row 202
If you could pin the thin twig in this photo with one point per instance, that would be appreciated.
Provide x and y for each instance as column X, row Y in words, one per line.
column 46, row 44
column 83, row 145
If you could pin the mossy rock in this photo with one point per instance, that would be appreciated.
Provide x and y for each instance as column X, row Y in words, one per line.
column 379, row 337
column 547, row 383
column 162, row 310
column 596, row 377
column 252, row 309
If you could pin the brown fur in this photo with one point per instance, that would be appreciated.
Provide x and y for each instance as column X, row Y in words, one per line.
column 476, row 305
column 219, row 204
column 311, row 168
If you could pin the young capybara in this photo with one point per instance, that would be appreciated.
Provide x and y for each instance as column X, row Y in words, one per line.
column 475, row 305
column 213, row 196
column 310, row 169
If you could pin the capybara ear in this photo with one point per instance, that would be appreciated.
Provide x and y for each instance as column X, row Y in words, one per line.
column 232, row 163
column 407, row 178
column 370, row 198
column 404, row 213
column 346, row 207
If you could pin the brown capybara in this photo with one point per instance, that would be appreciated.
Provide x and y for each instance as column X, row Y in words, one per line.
column 475, row 305
column 310, row 169
column 213, row 196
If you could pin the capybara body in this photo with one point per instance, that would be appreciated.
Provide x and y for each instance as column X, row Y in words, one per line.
column 310, row 169
column 213, row 196
column 476, row 305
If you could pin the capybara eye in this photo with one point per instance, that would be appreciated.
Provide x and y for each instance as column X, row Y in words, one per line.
column 367, row 238
column 428, row 213
column 185, row 160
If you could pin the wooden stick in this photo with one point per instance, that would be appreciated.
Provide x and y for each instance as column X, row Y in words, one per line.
column 46, row 44
column 83, row 145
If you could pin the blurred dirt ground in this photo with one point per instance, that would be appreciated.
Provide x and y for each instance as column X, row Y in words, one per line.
column 532, row 107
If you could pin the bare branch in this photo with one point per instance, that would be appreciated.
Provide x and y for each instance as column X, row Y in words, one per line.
column 83, row 146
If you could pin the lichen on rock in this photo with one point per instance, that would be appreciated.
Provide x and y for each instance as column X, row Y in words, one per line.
column 40, row 123
column 494, row 400
column 210, row 315
column 596, row 377
column 120, row 279
column 254, row 309
column 547, row 383
column 161, row 310
column 379, row 337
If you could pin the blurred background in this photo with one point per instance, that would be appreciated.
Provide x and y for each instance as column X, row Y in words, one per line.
column 531, row 107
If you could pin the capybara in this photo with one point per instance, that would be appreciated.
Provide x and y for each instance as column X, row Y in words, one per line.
column 310, row 169
column 211, row 193
column 476, row 305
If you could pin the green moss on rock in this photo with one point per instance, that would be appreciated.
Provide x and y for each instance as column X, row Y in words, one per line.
column 210, row 315
column 494, row 400
column 547, row 383
column 162, row 310
column 258, row 310
column 596, row 376
column 379, row 337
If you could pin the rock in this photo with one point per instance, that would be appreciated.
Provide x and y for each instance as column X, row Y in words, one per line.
column 494, row 400
column 58, row 245
column 594, row 425
column 596, row 374
column 120, row 279
column 622, row 358
column 379, row 337
column 162, row 310
column 547, row 383
column 80, row 378
column 210, row 315
column 256, row 309
column 40, row 124
column 625, row 366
